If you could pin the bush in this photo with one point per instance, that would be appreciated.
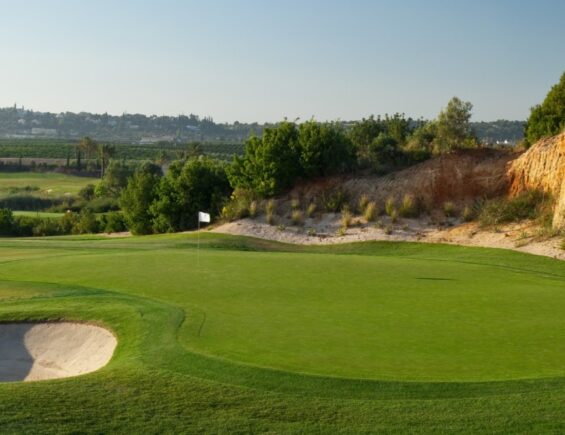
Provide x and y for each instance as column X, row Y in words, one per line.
column 295, row 203
column 527, row 205
column 28, row 202
column 253, row 209
column 87, row 192
column 346, row 218
column 468, row 214
column 409, row 207
column 363, row 202
column 6, row 222
column 449, row 209
column 102, row 205
column 394, row 216
column 311, row 209
column 370, row 213
column 270, row 211
column 238, row 207
column 390, row 206
column 334, row 201
column 297, row 217
column 87, row 223
column 113, row 223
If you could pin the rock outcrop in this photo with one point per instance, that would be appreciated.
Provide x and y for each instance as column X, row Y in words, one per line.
column 542, row 167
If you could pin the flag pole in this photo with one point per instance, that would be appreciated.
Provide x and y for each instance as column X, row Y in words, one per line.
column 198, row 249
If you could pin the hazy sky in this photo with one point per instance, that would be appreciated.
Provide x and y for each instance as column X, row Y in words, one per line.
column 264, row 60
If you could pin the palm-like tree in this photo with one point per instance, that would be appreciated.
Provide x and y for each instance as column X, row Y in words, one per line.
column 105, row 152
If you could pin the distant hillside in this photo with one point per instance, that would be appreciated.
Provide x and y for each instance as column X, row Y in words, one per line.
column 499, row 131
column 142, row 129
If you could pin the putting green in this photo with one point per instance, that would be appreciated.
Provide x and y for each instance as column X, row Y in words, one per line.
column 383, row 311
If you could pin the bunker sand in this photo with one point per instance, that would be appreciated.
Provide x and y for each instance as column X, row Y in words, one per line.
column 40, row 351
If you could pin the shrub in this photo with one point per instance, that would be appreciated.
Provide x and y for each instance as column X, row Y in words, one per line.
column 295, row 203
column 297, row 217
column 468, row 214
column 390, row 207
column 346, row 218
column 526, row 205
column 370, row 213
column 6, row 222
column 270, row 209
column 311, row 209
column 87, row 223
column 363, row 202
column 239, row 205
column 408, row 208
column 253, row 209
column 28, row 202
column 101, row 205
column 87, row 192
column 311, row 232
column 47, row 227
column 394, row 216
column 113, row 223
column 449, row 209
column 334, row 201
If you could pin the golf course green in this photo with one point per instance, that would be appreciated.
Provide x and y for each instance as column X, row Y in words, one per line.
column 246, row 335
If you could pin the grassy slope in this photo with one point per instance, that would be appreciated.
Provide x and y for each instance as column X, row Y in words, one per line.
column 59, row 184
column 167, row 387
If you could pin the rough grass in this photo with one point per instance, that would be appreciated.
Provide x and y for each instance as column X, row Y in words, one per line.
column 224, row 347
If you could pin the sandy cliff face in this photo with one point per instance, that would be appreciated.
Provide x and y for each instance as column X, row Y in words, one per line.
column 542, row 167
column 459, row 177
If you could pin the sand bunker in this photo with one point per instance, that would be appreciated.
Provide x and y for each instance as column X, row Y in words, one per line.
column 39, row 351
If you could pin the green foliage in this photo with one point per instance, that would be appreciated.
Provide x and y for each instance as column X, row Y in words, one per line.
column 297, row 217
column 311, row 209
column 526, row 205
column 113, row 223
column 468, row 213
column 548, row 118
column 137, row 198
column 115, row 179
column 324, row 149
column 270, row 163
column 346, row 218
column 370, row 212
column 6, row 222
column 453, row 128
column 409, row 207
column 363, row 202
column 333, row 200
column 270, row 211
column 87, row 192
column 449, row 209
column 200, row 184
column 239, row 205
column 390, row 206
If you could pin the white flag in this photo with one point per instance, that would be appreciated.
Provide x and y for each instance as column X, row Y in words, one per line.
column 203, row 217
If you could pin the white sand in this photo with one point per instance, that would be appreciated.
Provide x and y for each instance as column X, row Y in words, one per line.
column 39, row 351
column 519, row 237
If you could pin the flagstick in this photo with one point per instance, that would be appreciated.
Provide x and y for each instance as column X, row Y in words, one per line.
column 198, row 249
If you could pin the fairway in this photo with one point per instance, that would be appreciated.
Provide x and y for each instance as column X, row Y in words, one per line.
column 44, row 183
column 349, row 323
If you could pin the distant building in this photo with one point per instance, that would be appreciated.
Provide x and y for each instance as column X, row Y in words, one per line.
column 36, row 131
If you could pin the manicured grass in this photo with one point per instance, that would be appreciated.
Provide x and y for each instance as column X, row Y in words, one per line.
column 259, row 336
column 47, row 183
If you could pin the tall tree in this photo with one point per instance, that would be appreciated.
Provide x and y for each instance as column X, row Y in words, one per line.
column 105, row 153
column 453, row 128
column 548, row 118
